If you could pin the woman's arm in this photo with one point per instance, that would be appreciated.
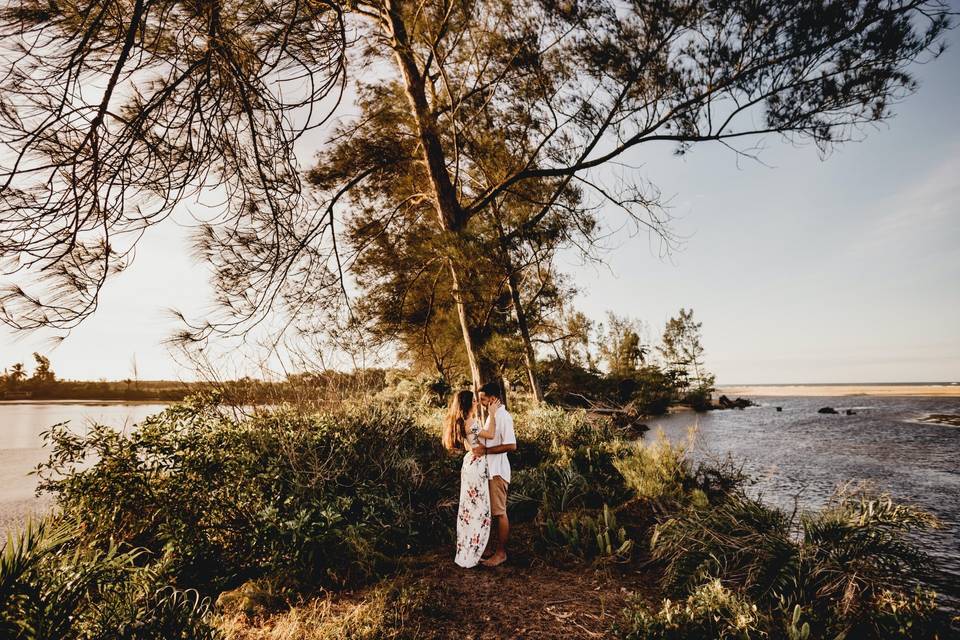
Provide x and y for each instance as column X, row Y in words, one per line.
column 491, row 430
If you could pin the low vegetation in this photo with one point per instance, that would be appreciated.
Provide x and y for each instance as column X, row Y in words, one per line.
column 54, row 586
column 297, row 524
column 848, row 570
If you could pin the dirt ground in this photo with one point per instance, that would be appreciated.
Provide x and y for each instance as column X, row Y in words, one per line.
column 533, row 595
column 527, row 597
column 530, row 599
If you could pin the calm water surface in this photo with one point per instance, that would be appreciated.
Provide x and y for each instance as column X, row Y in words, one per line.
column 800, row 452
column 21, row 445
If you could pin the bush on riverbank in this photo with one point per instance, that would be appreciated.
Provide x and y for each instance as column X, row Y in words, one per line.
column 648, row 389
column 327, row 499
column 850, row 567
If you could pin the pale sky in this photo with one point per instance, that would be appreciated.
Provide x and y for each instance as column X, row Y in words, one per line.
column 804, row 270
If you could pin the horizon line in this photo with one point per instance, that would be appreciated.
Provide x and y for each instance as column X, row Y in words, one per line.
column 945, row 383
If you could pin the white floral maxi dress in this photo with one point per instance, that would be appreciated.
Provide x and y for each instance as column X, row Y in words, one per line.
column 473, row 517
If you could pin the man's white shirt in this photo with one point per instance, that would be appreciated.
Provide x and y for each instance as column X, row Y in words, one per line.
column 498, row 463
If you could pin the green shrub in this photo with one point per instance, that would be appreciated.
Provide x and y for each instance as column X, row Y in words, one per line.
column 583, row 478
column 547, row 489
column 850, row 567
column 718, row 478
column 586, row 470
column 657, row 471
column 53, row 589
column 567, row 461
column 558, row 431
column 740, row 540
column 710, row 611
column 860, row 571
column 570, row 384
column 648, row 390
column 587, row 537
column 699, row 398
column 401, row 389
column 332, row 498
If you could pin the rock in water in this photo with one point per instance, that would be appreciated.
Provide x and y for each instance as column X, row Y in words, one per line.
column 739, row 403
column 851, row 412
column 779, row 409
column 827, row 410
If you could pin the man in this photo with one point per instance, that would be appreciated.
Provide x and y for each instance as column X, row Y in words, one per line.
column 496, row 448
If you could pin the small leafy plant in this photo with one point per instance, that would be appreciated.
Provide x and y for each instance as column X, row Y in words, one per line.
column 710, row 611
column 589, row 537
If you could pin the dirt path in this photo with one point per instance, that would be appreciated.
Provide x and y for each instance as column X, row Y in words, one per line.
column 531, row 599
column 530, row 596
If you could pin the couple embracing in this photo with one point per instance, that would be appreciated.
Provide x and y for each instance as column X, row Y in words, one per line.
column 484, row 476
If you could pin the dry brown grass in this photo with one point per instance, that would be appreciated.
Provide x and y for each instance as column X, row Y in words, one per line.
column 391, row 610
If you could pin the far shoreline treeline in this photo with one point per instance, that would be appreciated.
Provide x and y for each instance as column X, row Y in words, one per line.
column 44, row 385
column 147, row 390
column 612, row 368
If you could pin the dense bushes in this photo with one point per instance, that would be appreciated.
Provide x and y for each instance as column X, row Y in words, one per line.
column 710, row 611
column 848, row 570
column 585, row 473
column 649, row 389
column 51, row 588
column 567, row 461
column 324, row 499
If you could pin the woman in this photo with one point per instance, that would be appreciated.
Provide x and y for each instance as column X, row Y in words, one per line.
column 461, row 431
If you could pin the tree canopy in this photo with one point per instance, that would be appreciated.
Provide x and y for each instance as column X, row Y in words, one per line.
column 113, row 112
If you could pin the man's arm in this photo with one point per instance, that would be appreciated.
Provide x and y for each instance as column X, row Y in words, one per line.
column 491, row 431
column 500, row 448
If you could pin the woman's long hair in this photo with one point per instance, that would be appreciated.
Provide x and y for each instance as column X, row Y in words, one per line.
column 455, row 425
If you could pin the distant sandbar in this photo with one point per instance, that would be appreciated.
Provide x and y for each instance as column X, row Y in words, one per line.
column 943, row 390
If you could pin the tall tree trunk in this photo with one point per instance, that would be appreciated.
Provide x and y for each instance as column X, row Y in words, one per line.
column 529, row 355
column 447, row 204
column 465, row 326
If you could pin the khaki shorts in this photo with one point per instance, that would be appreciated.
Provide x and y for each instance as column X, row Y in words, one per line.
column 498, row 496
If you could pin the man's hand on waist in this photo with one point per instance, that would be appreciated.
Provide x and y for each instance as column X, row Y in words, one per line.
column 480, row 450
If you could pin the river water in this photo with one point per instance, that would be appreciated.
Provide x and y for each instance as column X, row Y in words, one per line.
column 21, row 445
column 799, row 452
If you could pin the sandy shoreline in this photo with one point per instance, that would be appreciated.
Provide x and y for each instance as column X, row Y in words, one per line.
column 841, row 390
